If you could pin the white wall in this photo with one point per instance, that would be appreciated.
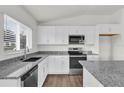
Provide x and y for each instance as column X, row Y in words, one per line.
column 105, row 48
column 116, row 17
column 118, row 41
column 18, row 13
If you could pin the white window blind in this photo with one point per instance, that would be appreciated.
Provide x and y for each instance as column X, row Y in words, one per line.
column 17, row 36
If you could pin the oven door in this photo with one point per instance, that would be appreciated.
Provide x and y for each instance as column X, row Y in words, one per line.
column 75, row 66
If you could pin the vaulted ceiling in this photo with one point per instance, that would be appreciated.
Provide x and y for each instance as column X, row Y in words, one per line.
column 45, row 13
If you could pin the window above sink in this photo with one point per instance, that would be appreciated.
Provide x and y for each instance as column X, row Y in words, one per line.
column 17, row 36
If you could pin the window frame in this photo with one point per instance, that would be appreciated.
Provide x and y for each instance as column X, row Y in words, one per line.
column 19, row 24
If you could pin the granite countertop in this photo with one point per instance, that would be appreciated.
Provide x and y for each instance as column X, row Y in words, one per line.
column 109, row 73
column 65, row 52
column 7, row 67
column 54, row 52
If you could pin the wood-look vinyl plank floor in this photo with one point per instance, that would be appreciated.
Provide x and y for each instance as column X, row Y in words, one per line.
column 63, row 81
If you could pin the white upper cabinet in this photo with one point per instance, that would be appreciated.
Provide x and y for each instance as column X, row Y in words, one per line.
column 90, row 34
column 90, row 37
column 88, row 31
column 109, row 28
column 73, row 30
column 61, row 35
column 46, row 35
column 77, row 30
column 42, row 35
column 51, row 35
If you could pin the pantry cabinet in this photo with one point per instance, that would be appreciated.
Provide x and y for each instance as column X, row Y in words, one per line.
column 59, row 64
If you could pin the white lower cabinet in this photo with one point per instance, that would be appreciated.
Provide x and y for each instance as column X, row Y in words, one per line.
column 53, row 64
column 59, row 64
column 42, row 71
column 89, row 80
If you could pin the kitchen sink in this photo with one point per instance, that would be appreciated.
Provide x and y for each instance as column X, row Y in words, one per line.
column 32, row 59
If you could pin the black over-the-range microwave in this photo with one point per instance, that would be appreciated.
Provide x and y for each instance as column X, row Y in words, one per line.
column 76, row 39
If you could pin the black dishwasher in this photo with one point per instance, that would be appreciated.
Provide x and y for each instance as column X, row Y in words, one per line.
column 30, row 79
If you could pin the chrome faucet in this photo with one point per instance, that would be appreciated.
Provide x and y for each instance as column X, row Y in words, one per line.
column 25, row 52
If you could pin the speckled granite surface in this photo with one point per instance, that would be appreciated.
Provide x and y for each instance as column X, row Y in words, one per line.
column 109, row 73
column 53, row 52
column 9, row 66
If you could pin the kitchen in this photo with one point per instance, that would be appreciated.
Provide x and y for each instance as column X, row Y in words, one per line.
column 72, row 47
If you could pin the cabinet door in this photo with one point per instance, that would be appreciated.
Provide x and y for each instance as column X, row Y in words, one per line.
column 42, row 35
column 61, row 35
column 90, row 37
column 42, row 71
column 46, row 35
column 52, row 65
column 59, row 65
column 82, row 30
column 65, row 65
column 62, row 64
column 40, row 75
column 45, row 69
column 51, row 34
column 73, row 30
column 47, row 65
column 103, row 29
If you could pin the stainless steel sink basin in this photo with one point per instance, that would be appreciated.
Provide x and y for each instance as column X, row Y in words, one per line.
column 32, row 59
